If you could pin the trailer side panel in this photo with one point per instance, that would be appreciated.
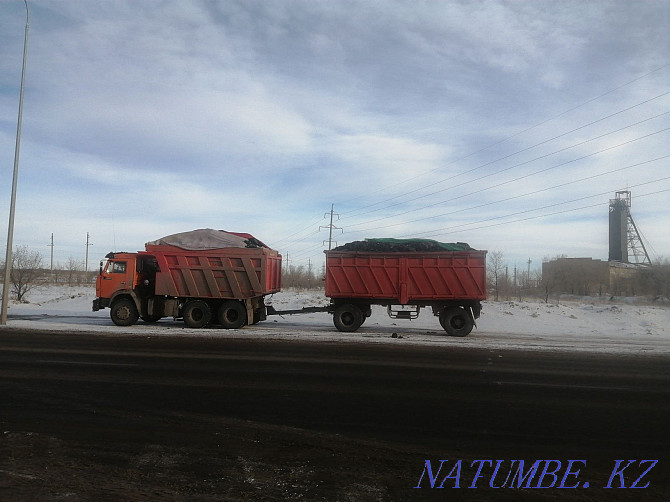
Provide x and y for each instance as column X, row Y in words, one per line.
column 406, row 278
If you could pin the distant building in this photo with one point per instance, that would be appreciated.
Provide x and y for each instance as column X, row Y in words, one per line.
column 589, row 277
column 617, row 277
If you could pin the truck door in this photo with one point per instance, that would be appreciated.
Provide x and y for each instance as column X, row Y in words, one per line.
column 117, row 275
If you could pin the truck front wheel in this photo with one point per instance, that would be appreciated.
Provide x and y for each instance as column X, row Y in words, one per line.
column 123, row 312
column 348, row 317
column 456, row 321
column 232, row 314
column 197, row 314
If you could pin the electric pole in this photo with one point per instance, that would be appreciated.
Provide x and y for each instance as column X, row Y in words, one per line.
column 309, row 273
column 87, row 245
column 52, row 251
column 330, row 227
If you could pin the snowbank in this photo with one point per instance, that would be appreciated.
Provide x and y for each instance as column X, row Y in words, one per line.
column 607, row 326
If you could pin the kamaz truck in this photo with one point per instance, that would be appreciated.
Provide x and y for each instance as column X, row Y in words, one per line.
column 203, row 277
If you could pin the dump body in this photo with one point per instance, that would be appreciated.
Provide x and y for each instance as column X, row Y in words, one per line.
column 232, row 273
column 406, row 278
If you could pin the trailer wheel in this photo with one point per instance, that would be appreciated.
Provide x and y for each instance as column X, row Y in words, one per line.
column 197, row 314
column 123, row 312
column 348, row 317
column 232, row 314
column 456, row 321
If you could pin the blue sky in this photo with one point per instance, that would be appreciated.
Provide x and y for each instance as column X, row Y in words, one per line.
column 507, row 125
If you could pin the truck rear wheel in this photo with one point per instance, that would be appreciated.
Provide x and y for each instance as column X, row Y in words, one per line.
column 348, row 317
column 232, row 314
column 123, row 312
column 456, row 321
column 197, row 314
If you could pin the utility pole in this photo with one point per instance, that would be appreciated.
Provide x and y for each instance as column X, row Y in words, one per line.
column 309, row 273
column 87, row 245
column 52, row 251
column 287, row 275
column 331, row 227
column 515, row 277
column 516, row 286
column 15, row 180
column 528, row 273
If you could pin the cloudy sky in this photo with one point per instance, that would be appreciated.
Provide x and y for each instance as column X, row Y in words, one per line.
column 507, row 125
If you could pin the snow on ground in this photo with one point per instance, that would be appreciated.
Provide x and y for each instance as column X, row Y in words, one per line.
column 590, row 324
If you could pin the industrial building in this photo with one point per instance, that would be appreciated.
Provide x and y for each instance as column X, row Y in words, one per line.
column 620, row 275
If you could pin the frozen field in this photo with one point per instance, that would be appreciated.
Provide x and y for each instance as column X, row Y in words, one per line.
column 621, row 326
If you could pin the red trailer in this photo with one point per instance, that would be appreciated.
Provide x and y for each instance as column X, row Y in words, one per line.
column 200, row 277
column 448, row 278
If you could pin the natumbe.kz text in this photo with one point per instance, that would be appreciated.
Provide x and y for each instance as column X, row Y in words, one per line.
column 553, row 473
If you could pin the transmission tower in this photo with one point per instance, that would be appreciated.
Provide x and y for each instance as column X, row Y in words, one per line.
column 330, row 227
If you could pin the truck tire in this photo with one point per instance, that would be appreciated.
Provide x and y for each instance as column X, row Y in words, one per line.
column 149, row 318
column 348, row 317
column 124, row 312
column 259, row 315
column 197, row 314
column 456, row 321
column 232, row 314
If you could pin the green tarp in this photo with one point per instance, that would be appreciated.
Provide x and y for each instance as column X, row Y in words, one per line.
column 402, row 246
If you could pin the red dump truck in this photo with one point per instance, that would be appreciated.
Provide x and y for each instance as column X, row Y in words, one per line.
column 202, row 276
column 215, row 277
column 405, row 275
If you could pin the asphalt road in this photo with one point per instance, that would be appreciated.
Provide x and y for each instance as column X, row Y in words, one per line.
column 96, row 417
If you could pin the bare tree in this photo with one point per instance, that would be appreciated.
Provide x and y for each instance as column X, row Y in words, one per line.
column 655, row 280
column 27, row 271
column 300, row 277
column 495, row 266
column 73, row 271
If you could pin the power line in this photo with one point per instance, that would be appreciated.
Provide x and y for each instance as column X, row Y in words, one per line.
column 541, row 171
column 514, row 166
column 311, row 225
column 518, row 134
column 442, row 232
column 535, row 192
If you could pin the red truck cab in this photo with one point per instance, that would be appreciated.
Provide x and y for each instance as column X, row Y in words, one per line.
column 128, row 278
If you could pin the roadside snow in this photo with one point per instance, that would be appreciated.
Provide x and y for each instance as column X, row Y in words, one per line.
column 586, row 325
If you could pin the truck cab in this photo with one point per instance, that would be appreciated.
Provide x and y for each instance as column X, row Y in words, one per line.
column 117, row 274
column 125, row 282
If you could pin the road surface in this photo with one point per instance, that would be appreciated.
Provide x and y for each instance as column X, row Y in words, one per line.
column 100, row 417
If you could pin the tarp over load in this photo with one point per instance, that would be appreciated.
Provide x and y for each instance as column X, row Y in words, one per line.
column 207, row 238
column 402, row 246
